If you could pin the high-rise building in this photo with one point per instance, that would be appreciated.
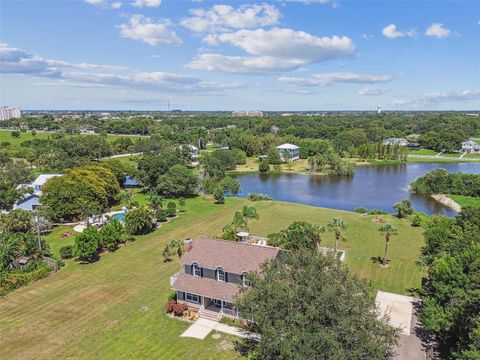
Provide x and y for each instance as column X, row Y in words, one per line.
column 9, row 112
column 379, row 109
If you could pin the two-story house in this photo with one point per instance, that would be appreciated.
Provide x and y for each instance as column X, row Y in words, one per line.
column 214, row 270
column 289, row 152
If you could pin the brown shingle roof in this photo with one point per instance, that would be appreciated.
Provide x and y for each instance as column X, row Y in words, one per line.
column 232, row 256
column 206, row 287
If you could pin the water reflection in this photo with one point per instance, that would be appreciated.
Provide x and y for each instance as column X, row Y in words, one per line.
column 376, row 187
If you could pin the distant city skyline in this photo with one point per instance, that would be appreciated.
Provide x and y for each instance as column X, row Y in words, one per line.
column 207, row 55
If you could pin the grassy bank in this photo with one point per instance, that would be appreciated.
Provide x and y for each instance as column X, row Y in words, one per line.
column 251, row 166
column 93, row 311
column 465, row 200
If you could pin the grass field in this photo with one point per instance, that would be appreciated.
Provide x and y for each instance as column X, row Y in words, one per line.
column 465, row 200
column 92, row 311
column 15, row 143
column 422, row 152
column 251, row 165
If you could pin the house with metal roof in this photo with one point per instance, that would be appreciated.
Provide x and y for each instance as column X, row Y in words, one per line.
column 289, row 152
column 213, row 272
column 30, row 200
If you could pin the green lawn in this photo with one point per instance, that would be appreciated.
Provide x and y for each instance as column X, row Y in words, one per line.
column 422, row 152
column 465, row 200
column 56, row 241
column 15, row 143
column 92, row 311
column 251, row 165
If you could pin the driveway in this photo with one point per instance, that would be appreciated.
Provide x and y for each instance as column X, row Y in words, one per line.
column 401, row 309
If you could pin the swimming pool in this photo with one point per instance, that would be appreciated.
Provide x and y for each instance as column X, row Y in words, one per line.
column 120, row 217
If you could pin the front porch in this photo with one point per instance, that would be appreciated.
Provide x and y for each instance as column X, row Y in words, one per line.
column 217, row 308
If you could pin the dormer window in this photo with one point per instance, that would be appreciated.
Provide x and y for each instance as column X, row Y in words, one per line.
column 196, row 270
column 245, row 280
column 220, row 274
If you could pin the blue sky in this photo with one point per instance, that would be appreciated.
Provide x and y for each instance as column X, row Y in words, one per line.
column 209, row 55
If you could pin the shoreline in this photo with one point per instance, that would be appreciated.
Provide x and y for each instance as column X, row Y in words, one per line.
column 446, row 201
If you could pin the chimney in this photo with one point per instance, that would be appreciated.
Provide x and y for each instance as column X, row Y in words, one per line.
column 187, row 245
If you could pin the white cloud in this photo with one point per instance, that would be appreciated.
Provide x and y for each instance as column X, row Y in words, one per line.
column 116, row 5
column 324, row 79
column 146, row 3
column 226, row 17
column 391, row 32
column 438, row 98
column 273, row 50
column 372, row 91
column 437, row 30
column 94, row 2
column 308, row 2
column 145, row 29
column 242, row 64
column 18, row 61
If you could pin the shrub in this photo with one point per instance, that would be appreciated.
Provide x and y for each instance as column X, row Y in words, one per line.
column 377, row 212
column 361, row 210
column 178, row 309
column 416, row 220
column 403, row 208
column 170, row 305
column 171, row 209
column 219, row 195
column 138, row 221
column 263, row 167
column 172, row 295
column 258, row 197
column 66, row 252
column 161, row 215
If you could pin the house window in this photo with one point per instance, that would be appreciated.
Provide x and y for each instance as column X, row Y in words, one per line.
column 220, row 274
column 192, row 297
column 245, row 280
column 196, row 270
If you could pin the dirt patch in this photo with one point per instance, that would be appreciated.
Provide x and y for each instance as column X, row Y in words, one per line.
column 445, row 200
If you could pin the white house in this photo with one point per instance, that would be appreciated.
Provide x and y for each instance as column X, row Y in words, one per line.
column 293, row 152
column 470, row 146
column 395, row 141
column 31, row 201
column 194, row 151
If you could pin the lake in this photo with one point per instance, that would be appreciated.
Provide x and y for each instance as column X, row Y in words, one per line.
column 373, row 187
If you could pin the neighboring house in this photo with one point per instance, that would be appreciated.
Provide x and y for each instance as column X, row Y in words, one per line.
column 194, row 151
column 413, row 145
column 214, row 270
column 291, row 149
column 470, row 146
column 31, row 201
column 395, row 141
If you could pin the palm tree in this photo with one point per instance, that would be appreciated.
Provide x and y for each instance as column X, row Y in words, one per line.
column 337, row 224
column 389, row 230
column 177, row 245
column 241, row 218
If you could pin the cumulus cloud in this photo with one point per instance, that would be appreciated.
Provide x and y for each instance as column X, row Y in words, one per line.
column 146, row 3
column 438, row 98
column 225, row 17
column 437, row 30
column 392, row 32
column 64, row 73
column 94, row 2
column 371, row 91
column 116, row 5
column 151, row 32
column 324, row 79
column 272, row 50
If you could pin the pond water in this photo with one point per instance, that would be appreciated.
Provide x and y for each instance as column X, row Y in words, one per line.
column 373, row 187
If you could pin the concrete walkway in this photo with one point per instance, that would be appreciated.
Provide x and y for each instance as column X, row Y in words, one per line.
column 202, row 327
